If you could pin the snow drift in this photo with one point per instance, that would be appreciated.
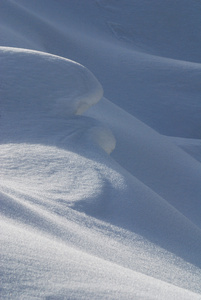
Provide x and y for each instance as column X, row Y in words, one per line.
column 76, row 222
column 61, row 86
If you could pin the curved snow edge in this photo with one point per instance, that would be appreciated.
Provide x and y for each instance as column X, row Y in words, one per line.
column 39, row 86
column 46, row 82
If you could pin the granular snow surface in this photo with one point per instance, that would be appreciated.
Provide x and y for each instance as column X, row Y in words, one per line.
column 100, row 164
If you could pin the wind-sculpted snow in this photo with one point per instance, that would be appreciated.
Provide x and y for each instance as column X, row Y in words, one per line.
column 145, row 148
column 146, row 54
column 59, row 265
column 62, row 87
column 75, row 221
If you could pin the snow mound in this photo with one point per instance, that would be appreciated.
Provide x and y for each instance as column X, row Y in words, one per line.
column 154, row 159
column 76, row 223
column 65, row 87
column 114, row 39
column 43, row 93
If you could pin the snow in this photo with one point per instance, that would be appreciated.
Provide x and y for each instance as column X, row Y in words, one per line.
column 100, row 149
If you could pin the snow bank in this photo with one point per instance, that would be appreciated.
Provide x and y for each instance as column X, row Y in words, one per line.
column 60, row 86
column 47, row 89
column 148, row 61
column 154, row 159
column 76, row 222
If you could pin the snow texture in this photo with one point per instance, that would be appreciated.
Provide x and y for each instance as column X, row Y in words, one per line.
column 100, row 195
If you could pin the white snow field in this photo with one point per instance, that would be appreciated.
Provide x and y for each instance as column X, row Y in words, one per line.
column 100, row 149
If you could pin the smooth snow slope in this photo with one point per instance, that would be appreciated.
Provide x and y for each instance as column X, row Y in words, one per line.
column 146, row 54
column 77, row 223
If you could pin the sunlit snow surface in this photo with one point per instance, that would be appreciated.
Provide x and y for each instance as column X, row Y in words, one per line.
column 100, row 197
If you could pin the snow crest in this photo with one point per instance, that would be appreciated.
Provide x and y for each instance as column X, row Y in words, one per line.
column 75, row 222
column 48, row 88
column 65, row 87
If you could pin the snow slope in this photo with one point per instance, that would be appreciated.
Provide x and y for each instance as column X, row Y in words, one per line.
column 100, row 196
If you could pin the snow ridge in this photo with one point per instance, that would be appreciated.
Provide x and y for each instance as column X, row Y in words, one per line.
column 62, row 89
column 75, row 221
